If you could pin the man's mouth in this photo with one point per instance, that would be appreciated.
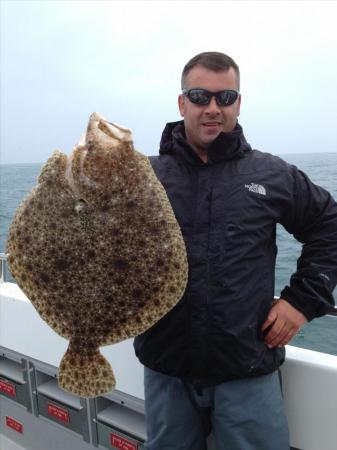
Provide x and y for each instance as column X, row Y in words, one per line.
column 212, row 124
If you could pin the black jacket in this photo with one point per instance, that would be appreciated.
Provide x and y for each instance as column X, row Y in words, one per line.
column 228, row 209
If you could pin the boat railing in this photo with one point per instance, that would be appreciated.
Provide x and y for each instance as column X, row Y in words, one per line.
column 3, row 267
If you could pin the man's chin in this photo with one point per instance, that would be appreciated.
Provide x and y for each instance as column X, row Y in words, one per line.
column 208, row 140
column 211, row 132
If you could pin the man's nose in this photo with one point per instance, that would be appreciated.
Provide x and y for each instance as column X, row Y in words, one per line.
column 213, row 107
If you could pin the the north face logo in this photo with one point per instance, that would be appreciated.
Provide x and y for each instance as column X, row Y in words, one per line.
column 258, row 188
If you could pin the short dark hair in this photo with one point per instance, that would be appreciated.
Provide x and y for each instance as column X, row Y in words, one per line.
column 215, row 61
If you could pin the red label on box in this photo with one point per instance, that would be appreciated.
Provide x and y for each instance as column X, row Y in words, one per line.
column 7, row 388
column 14, row 424
column 59, row 413
column 121, row 443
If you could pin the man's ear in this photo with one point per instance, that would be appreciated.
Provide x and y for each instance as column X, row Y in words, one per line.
column 181, row 104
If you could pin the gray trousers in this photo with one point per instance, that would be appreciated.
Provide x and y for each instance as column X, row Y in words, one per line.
column 245, row 414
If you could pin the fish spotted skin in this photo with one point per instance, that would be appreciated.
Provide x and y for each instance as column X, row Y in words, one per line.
column 97, row 249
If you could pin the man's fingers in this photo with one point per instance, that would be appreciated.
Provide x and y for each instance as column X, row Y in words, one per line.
column 279, row 338
column 282, row 323
column 288, row 337
column 276, row 333
column 272, row 316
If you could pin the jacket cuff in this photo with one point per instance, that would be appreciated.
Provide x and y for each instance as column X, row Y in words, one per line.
column 311, row 310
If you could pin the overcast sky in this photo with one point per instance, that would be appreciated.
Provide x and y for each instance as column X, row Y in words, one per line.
column 62, row 60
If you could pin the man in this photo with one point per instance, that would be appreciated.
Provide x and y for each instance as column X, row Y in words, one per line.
column 217, row 352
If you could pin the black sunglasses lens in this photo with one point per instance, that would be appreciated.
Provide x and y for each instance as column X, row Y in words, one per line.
column 226, row 98
column 203, row 97
column 199, row 96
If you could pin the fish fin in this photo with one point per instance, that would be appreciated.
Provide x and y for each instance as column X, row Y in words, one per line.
column 85, row 376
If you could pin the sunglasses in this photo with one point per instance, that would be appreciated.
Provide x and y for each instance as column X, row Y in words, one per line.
column 203, row 97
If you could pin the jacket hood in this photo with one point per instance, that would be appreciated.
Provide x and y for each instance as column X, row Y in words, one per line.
column 226, row 146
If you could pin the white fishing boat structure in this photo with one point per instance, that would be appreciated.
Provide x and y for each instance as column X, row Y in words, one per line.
column 37, row 415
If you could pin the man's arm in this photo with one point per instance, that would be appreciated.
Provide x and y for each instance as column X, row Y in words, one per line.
column 311, row 216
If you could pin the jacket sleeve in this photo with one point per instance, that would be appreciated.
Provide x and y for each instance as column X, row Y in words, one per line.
column 311, row 216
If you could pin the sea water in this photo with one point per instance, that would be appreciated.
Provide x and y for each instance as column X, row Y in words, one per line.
column 321, row 334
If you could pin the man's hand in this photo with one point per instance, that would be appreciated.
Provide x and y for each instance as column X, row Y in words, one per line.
column 284, row 321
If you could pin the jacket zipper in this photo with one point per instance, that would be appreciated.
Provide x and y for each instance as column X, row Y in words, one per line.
column 208, row 285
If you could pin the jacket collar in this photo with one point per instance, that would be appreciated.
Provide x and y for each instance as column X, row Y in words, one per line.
column 226, row 146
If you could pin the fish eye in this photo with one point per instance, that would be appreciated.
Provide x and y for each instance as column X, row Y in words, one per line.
column 79, row 205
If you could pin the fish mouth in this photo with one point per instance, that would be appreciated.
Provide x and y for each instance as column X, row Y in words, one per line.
column 98, row 126
column 99, row 133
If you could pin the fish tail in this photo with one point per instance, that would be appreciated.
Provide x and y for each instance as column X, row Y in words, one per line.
column 85, row 375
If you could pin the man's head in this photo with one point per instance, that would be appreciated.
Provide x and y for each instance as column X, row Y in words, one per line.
column 213, row 72
column 215, row 61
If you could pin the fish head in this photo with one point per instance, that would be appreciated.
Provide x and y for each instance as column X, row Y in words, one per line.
column 102, row 163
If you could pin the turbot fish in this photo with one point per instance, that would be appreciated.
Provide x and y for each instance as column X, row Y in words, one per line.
column 98, row 251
